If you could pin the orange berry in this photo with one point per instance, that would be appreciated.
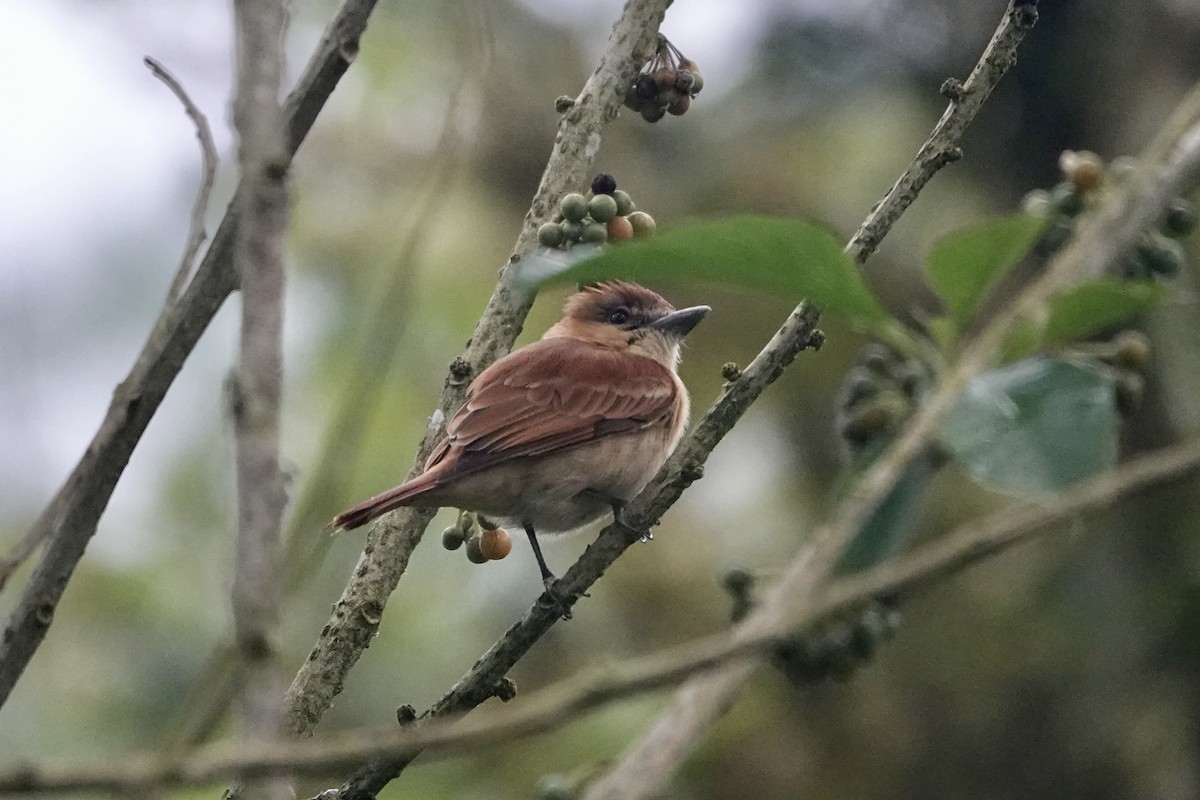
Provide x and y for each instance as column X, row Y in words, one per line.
column 619, row 229
column 495, row 544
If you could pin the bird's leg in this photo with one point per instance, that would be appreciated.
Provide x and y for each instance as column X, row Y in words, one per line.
column 548, row 579
column 618, row 509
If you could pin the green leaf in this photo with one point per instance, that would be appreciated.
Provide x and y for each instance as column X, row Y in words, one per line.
column 1083, row 310
column 1039, row 425
column 966, row 263
column 893, row 523
column 788, row 257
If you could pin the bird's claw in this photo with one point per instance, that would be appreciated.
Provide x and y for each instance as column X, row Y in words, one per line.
column 554, row 598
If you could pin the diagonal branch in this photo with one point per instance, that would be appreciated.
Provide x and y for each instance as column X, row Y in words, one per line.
column 1172, row 167
column 69, row 521
column 555, row 706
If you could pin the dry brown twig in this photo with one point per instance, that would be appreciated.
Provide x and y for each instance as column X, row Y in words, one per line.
column 557, row 705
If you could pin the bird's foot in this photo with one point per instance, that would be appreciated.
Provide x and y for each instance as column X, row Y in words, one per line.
column 555, row 598
column 618, row 509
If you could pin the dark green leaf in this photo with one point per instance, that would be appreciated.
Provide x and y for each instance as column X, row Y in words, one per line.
column 966, row 263
column 1038, row 425
column 893, row 523
column 787, row 257
column 1084, row 310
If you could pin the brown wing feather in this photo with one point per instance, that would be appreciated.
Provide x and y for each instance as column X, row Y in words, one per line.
column 553, row 394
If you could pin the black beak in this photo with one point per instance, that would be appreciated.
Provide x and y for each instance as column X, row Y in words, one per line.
column 680, row 323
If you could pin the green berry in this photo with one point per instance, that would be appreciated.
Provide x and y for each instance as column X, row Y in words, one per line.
column 1163, row 256
column 624, row 202
column 595, row 232
column 554, row 787
column 1067, row 199
column 452, row 538
column 573, row 206
column 643, row 224
column 602, row 207
column 1036, row 203
column 1056, row 234
column 572, row 231
column 475, row 551
column 550, row 235
column 860, row 384
column 1180, row 219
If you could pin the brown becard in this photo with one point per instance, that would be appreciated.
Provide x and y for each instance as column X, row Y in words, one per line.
column 561, row 431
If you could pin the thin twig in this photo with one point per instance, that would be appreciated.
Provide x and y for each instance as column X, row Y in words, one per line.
column 942, row 146
column 70, row 519
column 686, row 465
column 256, row 384
column 391, row 540
column 1171, row 168
column 556, row 706
column 208, row 154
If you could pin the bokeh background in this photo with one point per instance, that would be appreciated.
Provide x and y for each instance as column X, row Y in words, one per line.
column 1067, row 668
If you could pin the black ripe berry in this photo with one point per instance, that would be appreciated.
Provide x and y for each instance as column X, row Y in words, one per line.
column 604, row 184
column 646, row 87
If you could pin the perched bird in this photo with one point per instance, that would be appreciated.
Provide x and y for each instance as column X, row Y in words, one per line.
column 561, row 431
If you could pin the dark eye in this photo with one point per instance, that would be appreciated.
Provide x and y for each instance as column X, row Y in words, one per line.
column 619, row 317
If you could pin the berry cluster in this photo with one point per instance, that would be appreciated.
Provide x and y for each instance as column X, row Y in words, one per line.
column 604, row 214
column 879, row 394
column 833, row 649
column 1157, row 254
column 665, row 85
column 485, row 541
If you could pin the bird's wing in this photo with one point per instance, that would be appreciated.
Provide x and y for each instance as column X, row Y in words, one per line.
column 554, row 394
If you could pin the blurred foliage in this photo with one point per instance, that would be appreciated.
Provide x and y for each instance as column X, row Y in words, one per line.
column 1065, row 668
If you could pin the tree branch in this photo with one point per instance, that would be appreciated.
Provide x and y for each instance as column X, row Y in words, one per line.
column 941, row 148
column 551, row 708
column 208, row 153
column 70, row 520
column 393, row 537
column 1171, row 168
column 256, row 383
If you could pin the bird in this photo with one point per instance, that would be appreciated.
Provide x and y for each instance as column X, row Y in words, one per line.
column 560, row 432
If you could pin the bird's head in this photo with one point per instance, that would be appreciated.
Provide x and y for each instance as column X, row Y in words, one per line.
column 624, row 315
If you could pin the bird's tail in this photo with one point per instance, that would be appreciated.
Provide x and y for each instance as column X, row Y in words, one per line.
column 380, row 504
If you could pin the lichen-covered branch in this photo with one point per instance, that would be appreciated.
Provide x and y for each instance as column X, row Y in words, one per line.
column 256, row 385
column 391, row 540
column 69, row 521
